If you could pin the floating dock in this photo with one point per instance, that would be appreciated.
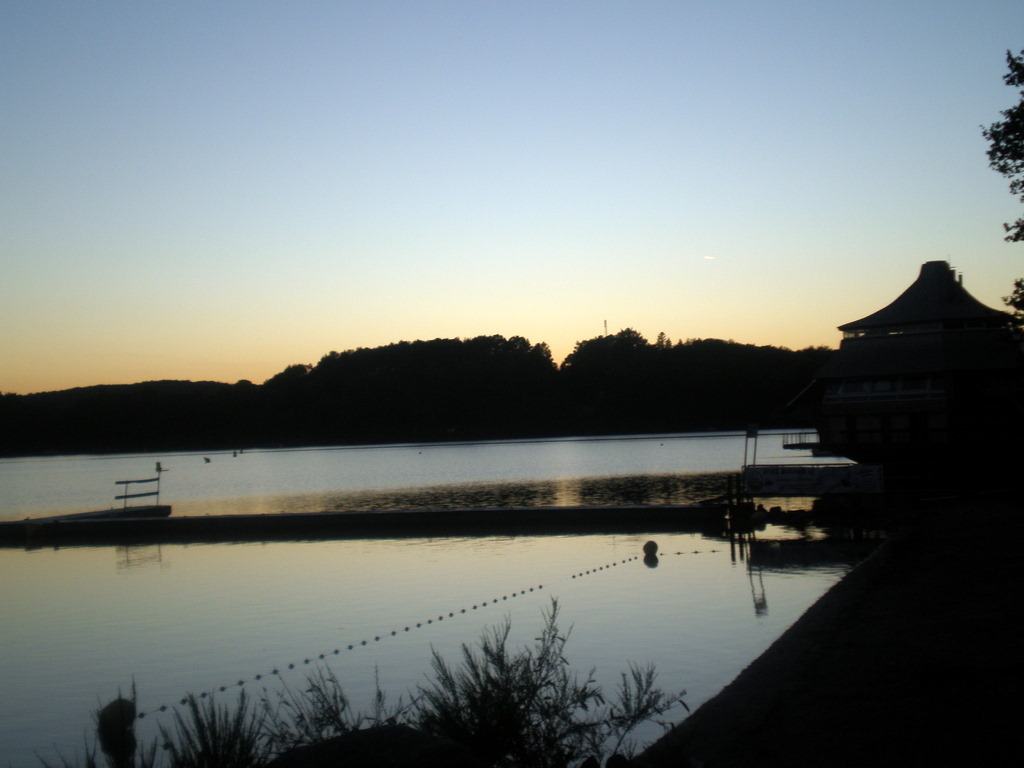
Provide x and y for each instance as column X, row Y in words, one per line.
column 94, row 529
column 150, row 510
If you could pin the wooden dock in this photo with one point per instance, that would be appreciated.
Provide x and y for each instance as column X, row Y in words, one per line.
column 149, row 510
column 400, row 523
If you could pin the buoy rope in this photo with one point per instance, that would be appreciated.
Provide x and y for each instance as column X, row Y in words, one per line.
column 278, row 671
column 608, row 566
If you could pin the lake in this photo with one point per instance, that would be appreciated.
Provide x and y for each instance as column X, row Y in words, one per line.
column 81, row 623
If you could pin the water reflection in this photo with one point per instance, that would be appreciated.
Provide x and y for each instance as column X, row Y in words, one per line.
column 801, row 554
column 187, row 617
column 202, row 623
column 650, row 489
column 684, row 488
column 651, row 554
column 808, row 551
column 473, row 495
column 758, row 592
column 139, row 557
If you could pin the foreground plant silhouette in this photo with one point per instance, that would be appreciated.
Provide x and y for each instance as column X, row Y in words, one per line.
column 528, row 709
column 514, row 708
column 318, row 711
column 209, row 735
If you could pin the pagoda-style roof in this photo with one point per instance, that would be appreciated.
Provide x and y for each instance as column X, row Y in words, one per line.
column 934, row 326
column 937, row 296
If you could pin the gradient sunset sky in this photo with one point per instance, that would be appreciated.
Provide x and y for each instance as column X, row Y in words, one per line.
column 217, row 190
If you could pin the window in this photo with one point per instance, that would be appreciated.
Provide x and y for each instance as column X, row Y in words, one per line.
column 899, row 428
column 868, row 429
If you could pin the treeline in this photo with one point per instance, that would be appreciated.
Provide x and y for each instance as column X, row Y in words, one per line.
column 488, row 387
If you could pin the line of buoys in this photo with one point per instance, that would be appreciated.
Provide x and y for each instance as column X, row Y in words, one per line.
column 609, row 566
column 351, row 646
column 420, row 624
column 650, row 551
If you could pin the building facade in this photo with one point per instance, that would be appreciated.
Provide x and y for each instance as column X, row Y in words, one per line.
column 929, row 385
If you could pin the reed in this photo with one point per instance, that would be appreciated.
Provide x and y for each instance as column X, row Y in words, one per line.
column 527, row 709
column 213, row 735
column 319, row 710
column 88, row 761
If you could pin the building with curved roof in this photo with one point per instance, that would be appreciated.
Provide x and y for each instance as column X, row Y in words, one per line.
column 928, row 384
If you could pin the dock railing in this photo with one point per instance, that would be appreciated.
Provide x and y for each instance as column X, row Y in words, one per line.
column 766, row 480
column 145, row 494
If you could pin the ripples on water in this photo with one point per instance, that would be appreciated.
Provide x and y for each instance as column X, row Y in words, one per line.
column 81, row 622
column 603, row 491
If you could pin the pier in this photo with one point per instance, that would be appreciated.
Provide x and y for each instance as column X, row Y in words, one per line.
column 504, row 521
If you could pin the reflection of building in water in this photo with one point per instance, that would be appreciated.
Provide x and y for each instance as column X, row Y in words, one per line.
column 793, row 556
column 788, row 555
column 741, row 550
column 139, row 557
column 757, row 590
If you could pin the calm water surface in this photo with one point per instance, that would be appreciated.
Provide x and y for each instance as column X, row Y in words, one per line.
column 78, row 624
column 556, row 471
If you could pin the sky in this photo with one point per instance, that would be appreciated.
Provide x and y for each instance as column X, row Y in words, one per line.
column 216, row 191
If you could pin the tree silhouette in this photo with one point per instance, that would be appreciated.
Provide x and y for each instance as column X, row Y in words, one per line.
column 1006, row 142
column 487, row 387
column 621, row 383
column 1015, row 301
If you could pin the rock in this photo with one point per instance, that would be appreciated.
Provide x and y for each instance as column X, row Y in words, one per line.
column 385, row 746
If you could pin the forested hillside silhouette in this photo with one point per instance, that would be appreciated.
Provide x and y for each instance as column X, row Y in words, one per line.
column 488, row 387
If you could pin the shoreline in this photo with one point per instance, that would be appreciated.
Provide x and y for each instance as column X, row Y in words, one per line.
column 909, row 660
